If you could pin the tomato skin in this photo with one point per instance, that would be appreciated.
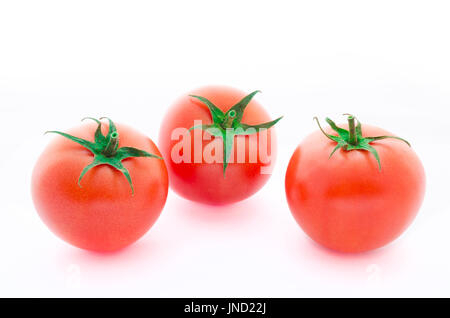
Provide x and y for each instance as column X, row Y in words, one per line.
column 102, row 215
column 346, row 203
column 205, row 182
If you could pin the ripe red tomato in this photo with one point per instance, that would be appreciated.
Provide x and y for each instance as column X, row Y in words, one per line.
column 103, row 212
column 223, row 181
column 348, row 202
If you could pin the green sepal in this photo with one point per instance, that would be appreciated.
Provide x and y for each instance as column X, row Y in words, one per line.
column 216, row 113
column 106, row 150
column 344, row 134
column 227, row 147
column 130, row 152
column 99, row 138
column 241, row 105
column 89, row 167
column 344, row 138
column 385, row 137
column 92, row 147
column 227, row 125
column 214, row 130
column 257, row 128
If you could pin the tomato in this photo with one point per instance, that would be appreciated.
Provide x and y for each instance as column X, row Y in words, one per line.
column 238, row 167
column 357, row 199
column 105, row 211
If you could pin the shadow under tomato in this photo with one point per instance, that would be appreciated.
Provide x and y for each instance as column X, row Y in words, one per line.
column 123, row 264
column 385, row 261
column 231, row 215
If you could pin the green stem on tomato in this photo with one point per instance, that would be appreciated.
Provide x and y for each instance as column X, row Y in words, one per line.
column 110, row 149
column 106, row 151
column 228, row 121
column 352, row 139
column 227, row 125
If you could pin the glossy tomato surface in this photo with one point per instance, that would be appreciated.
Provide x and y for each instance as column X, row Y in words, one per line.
column 203, row 181
column 102, row 215
column 346, row 203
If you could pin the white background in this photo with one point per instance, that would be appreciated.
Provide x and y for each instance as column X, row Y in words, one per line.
column 388, row 62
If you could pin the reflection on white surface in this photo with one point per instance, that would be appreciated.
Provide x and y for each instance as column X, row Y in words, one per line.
column 386, row 63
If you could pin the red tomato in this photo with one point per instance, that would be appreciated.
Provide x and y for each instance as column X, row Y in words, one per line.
column 102, row 214
column 346, row 202
column 207, row 182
